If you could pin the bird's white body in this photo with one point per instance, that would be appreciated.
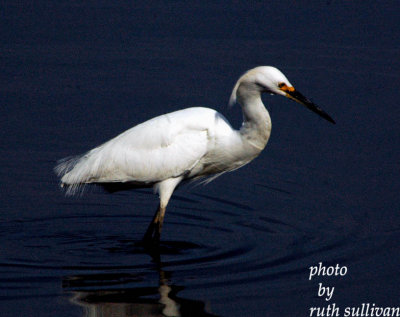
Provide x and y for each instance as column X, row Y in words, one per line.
column 186, row 144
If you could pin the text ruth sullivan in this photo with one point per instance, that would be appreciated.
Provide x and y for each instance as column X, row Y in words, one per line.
column 364, row 310
column 326, row 292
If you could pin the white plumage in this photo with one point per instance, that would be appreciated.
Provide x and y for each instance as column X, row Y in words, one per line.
column 176, row 144
column 185, row 144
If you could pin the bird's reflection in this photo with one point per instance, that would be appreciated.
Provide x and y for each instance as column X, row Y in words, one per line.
column 100, row 295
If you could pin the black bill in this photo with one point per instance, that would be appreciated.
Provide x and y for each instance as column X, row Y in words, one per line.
column 298, row 97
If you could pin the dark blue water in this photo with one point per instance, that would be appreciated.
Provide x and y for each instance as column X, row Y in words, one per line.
column 74, row 74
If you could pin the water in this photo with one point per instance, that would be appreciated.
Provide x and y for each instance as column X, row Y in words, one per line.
column 76, row 74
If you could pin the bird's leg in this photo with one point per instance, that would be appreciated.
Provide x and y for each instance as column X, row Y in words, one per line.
column 165, row 189
column 150, row 232
column 161, row 214
column 153, row 231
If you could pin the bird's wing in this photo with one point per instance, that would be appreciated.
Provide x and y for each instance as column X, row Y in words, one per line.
column 163, row 147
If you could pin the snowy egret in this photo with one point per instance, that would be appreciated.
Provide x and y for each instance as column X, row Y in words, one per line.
column 187, row 144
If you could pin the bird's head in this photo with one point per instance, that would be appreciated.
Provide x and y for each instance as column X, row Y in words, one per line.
column 268, row 79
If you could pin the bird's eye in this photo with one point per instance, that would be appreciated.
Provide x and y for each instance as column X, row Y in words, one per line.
column 280, row 85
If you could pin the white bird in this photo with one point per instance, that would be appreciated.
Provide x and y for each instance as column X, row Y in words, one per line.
column 184, row 145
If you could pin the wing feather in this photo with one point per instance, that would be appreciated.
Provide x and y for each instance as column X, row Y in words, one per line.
column 163, row 147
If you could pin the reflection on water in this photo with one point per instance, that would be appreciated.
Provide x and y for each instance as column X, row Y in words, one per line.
column 236, row 259
column 213, row 258
column 100, row 295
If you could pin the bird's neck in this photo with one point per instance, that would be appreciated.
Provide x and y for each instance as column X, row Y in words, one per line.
column 256, row 127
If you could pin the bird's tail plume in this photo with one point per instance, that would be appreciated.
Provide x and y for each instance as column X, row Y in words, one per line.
column 72, row 178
